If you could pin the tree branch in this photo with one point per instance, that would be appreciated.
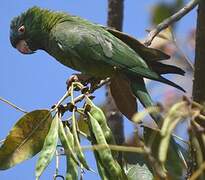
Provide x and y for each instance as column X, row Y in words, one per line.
column 167, row 22
column 199, row 75
column 197, row 148
column 12, row 105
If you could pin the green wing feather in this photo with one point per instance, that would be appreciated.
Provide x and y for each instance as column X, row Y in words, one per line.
column 95, row 47
column 150, row 55
column 145, row 52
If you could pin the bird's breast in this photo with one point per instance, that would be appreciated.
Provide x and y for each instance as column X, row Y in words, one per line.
column 85, row 65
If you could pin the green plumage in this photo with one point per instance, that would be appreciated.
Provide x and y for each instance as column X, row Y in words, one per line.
column 92, row 49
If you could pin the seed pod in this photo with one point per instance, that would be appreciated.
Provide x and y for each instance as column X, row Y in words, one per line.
column 66, row 143
column 98, row 114
column 80, row 154
column 105, row 155
column 71, row 169
column 66, row 138
column 102, row 171
column 49, row 148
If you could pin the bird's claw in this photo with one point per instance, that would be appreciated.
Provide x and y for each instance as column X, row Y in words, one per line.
column 82, row 78
column 71, row 79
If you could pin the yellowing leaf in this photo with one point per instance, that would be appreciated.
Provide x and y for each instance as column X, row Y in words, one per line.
column 83, row 126
column 25, row 139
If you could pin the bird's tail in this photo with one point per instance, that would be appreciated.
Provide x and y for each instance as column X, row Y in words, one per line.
column 162, row 68
column 140, row 91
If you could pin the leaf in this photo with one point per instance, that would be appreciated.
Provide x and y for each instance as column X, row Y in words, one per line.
column 138, row 171
column 163, row 10
column 173, row 162
column 25, row 139
column 83, row 125
column 49, row 147
column 122, row 94
column 177, row 113
column 160, row 12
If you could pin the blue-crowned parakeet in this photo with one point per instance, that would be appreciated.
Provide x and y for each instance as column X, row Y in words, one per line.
column 92, row 49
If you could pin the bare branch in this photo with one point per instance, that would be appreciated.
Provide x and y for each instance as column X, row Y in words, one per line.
column 12, row 105
column 167, row 22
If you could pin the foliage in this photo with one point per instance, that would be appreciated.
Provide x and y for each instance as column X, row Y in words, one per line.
column 151, row 157
column 45, row 129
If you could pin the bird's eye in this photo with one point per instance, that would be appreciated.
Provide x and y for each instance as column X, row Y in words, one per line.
column 21, row 29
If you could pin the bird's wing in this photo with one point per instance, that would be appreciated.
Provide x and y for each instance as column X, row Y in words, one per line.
column 146, row 53
column 96, row 46
column 153, row 57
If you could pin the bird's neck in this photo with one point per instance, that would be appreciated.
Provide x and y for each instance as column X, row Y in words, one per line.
column 42, row 23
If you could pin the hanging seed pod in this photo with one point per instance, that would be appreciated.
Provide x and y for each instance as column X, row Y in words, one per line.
column 49, row 148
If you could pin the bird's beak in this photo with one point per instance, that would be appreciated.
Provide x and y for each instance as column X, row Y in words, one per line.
column 23, row 47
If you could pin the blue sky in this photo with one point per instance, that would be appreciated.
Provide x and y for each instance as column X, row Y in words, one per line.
column 38, row 81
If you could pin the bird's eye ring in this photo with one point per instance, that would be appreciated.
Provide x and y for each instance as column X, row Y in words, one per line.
column 21, row 29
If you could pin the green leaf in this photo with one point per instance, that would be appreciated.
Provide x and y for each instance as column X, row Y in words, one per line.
column 163, row 10
column 25, row 139
column 49, row 147
column 138, row 171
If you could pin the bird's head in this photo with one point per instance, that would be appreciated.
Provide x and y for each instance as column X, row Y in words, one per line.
column 19, row 34
column 29, row 31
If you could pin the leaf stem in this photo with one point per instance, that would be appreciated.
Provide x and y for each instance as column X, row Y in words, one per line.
column 57, row 164
column 115, row 148
column 198, row 172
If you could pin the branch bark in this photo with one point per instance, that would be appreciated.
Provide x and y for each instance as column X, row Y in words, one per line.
column 199, row 74
column 115, row 14
column 167, row 22
column 199, row 92
column 115, row 118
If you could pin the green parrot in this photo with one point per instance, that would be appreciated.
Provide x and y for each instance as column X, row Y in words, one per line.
column 92, row 49
column 95, row 51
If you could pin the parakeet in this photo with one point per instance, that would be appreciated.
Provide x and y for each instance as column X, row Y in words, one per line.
column 92, row 49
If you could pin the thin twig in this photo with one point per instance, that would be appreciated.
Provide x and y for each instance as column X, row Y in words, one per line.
column 12, row 105
column 61, row 100
column 115, row 148
column 198, row 172
column 167, row 22
column 57, row 164
column 83, row 134
column 174, row 135
column 102, row 83
column 82, row 96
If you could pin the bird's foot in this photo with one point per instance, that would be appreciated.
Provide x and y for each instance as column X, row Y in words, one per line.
column 82, row 78
column 88, row 81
